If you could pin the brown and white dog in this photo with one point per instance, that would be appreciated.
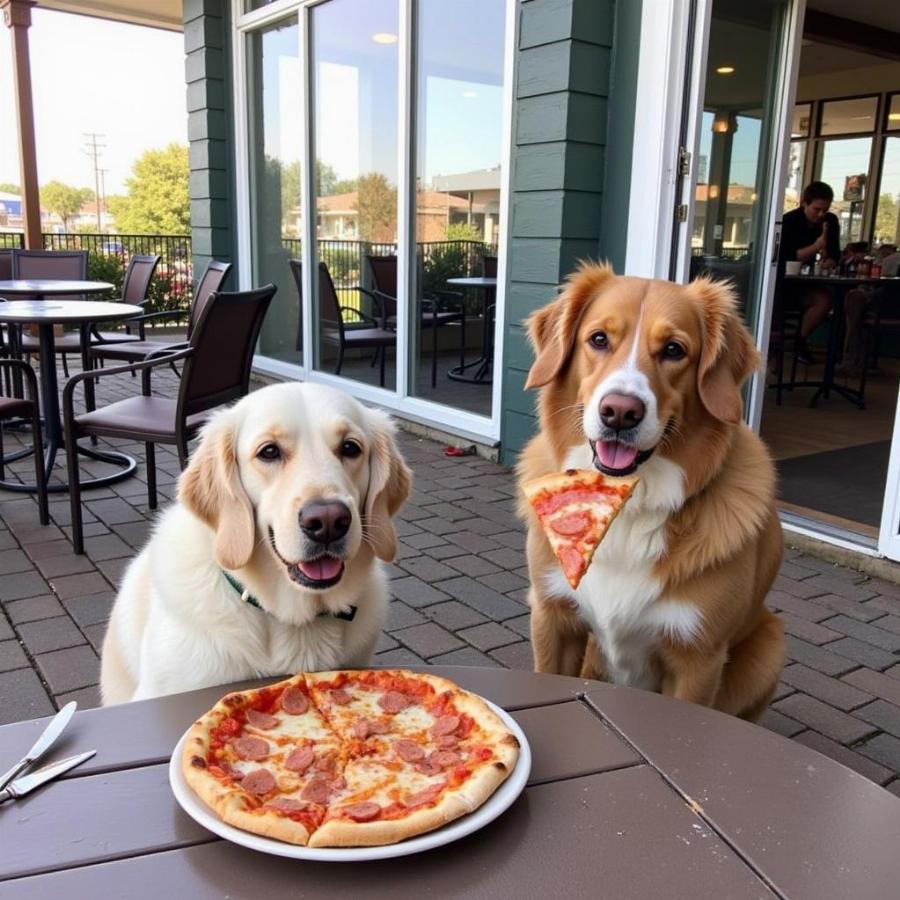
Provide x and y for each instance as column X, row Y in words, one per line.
column 644, row 376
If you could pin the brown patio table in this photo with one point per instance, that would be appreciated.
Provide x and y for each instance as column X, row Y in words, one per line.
column 45, row 314
column 631, row 795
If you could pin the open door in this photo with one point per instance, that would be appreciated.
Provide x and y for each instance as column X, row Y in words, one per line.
column 727, row 215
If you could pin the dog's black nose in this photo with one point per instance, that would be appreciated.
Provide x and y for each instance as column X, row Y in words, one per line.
column 621, row 411
column 324, row 521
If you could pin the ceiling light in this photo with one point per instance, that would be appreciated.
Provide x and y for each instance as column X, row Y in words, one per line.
column 725, row 70
column 385, row 37
column 894, row 117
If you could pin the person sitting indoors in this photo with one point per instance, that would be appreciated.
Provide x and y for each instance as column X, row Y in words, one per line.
column 808, row 232
column 890, row 260
column 857, row 303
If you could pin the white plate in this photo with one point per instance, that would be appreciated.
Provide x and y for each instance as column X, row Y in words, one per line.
column 497, row 803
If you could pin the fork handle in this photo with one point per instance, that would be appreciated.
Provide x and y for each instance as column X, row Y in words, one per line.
column 17, row 769
column 6, row 795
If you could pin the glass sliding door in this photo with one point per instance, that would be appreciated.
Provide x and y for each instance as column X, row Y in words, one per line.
column 458, row 171
column 353, row 86
column 735, row 177
column 275, row 144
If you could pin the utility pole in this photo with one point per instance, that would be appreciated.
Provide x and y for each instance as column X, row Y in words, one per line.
column 103, row 190
column 93, row 150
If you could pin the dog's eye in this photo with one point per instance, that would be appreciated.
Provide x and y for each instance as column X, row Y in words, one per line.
column 673, row 350
column 350, row 450
column 269, row 452
column 599, row 340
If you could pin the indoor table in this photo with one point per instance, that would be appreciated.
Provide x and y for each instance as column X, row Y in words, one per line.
column 488, row 287
column 45, row 314
column 837, row 285
column 630, row 795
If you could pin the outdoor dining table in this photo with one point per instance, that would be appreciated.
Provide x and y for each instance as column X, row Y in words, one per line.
column 487, row 285
column 630, row 795
column 45, row 314
column 837, row 285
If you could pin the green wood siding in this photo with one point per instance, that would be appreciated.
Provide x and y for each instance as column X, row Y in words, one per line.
column 576, row 77
column 210, row 130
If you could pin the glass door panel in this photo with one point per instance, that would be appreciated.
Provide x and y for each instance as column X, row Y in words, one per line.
column 887, row 215
column 275, row 142
column 460, row 49
column 845, row 166
column 353, row 47
column 735, row 177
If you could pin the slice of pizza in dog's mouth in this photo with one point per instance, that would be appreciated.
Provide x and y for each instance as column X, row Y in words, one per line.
column 318, row 574
column 575, row 509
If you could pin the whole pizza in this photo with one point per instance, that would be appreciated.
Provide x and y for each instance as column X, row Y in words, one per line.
column 348, row 758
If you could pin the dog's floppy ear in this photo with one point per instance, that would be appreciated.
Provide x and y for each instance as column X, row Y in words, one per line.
column 728, row 356
column 552, row 329
column 390, row 481
column 211, row 489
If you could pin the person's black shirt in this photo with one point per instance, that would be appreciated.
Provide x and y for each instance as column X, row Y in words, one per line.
column 797, row 233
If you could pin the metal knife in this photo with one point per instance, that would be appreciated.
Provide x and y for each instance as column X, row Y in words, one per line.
column 21, row 786
column 42, row 744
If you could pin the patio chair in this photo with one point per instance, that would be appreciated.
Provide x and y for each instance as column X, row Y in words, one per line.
column 384, row 276
column 26, row 408
column 5, row 275
column 72, row 265
column 134, row 351
column 332, row 328
column 217, row 362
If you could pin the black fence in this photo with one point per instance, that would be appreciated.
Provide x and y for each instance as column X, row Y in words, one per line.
column 437, row 261
column 735, row 253
column 108, row 256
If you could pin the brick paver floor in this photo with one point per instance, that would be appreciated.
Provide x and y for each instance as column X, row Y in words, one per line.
column 458, row 596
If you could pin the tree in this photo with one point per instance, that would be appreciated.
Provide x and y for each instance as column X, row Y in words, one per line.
column 64, row 200
column 9, row 188
column 887, row 228
column 463, row 231
column 376, row 203
column 158, row 198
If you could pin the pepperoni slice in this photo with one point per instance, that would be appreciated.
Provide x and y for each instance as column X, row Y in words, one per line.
column 259, row 782
column 572, row 562
column 300, row 759
column 294, row 702
column 571, row 524
column 379, row 726
column 360, row 728
column 409, row 751
column 361, row 812
column 248, row 747
column 393, row 702
column 316, row 791
column 285, row 805
column 444, row 758
column 428, row 768
column 448, row 741
column 445, row 725
column 260, row 719
column 341, row 697
column 424, row 796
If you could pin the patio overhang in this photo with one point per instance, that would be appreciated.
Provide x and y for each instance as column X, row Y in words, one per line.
column 166, row 14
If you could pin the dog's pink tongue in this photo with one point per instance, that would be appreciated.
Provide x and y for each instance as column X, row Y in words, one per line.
column 322, row 569
column 615, row 455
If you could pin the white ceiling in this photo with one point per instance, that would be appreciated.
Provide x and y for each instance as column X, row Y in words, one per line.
column 166, row 14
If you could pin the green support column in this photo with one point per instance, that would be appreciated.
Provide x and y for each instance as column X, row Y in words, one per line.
column 570, row 55
column 210, row 131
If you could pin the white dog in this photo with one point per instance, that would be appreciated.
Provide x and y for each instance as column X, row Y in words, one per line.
column 267, row 565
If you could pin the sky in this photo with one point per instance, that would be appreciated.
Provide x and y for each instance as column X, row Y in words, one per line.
column 125, row 82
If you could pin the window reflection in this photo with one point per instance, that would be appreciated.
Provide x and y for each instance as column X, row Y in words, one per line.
column 276, row 134
column 458, row 152
column 354, row 88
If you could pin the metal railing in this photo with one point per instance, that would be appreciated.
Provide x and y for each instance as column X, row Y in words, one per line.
column 735, row 253
column 172, row 285
column 437, row 261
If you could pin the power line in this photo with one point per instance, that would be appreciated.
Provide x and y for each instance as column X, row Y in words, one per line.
column 93, row 150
